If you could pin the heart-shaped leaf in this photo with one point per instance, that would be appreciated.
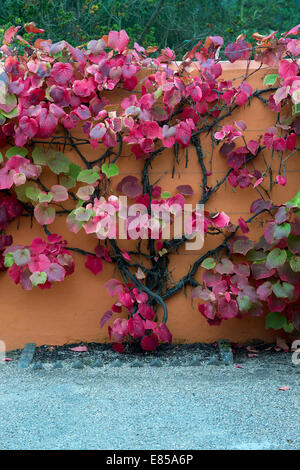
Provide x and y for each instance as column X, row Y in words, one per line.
column 110, row 170
column 88, row 176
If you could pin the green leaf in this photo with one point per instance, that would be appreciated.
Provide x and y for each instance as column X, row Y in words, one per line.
column 45, row 197
column 110, row 170
column 296, row 109
column 284, row 290
column 16, row 151
column 282, row 231
column 244, row 303
column 88, row 176
column 38, row 278
column 275, row 320
column 256, row 255
column 1, row 157
column 288, row 327
column 83, row 215
column 67, row 182
column 295, row 202
column 165, row 195
column 32, row 193
column 59, row 163
column 295, row 263
column 74, row 170
column 208, row 263
column 39, row 156
column 270, row 79
column 8, row 260
column 12, row 114
column 276, row 258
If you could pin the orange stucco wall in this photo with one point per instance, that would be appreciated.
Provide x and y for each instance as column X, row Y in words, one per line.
column 70, row 311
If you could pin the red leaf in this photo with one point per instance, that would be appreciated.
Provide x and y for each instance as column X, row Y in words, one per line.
column 94, row 264
column 10, row 34
column 185, row 189
column 118, row 347
column 149, row 343
column 31, row 28
column 164, row 333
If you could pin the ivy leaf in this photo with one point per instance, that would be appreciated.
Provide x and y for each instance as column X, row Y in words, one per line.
column 32, row 193
column 271, row 79
column 276, row 258
column 74, row 170
column 87, row 176
column 39, row 156
column 208, row 263
column 38, row 278
column 85, row 192
column 110, row 170
column 242, row 245
column 44, row 214
column 106, row 317
column 94, row 264
column 295, row 263
column 244, row 303
column 45, row 197
column 281, row 231
column 276, row 321
column 21, row 256
column 8, row 260
column 284, row 290
column 293, row 242
column 59, row 163
column 59, row 193
column 16, row 151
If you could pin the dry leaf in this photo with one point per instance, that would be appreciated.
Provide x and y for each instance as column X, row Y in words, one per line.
column 252, row 355
column 79, row 349
column 140, row 274
column 282, row 344
column 285, row 388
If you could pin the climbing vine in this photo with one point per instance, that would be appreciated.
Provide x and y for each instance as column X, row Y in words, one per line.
column 49, row 89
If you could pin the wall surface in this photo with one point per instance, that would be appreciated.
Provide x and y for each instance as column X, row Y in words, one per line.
column 70, row 311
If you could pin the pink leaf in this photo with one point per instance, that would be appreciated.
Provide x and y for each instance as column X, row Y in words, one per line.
column 55, row 272
column 118, row 40
column 79, row 349
column 59, row 193
column 114, row 287
column 285, row 388
column 44, row 214
column 164, row 333
column 106, row 317
column 62, row 73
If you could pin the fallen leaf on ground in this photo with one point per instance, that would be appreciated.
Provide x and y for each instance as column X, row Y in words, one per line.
column 79, row 349
column 281, row 343
column 252, row 350
column 6, row 359
column 238, row 366
column 285, row 388
column 252, row 355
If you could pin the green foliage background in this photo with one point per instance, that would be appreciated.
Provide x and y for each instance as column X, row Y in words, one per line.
column 178, row 24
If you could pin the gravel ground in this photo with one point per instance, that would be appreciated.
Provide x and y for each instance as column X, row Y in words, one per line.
column 120, row 408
